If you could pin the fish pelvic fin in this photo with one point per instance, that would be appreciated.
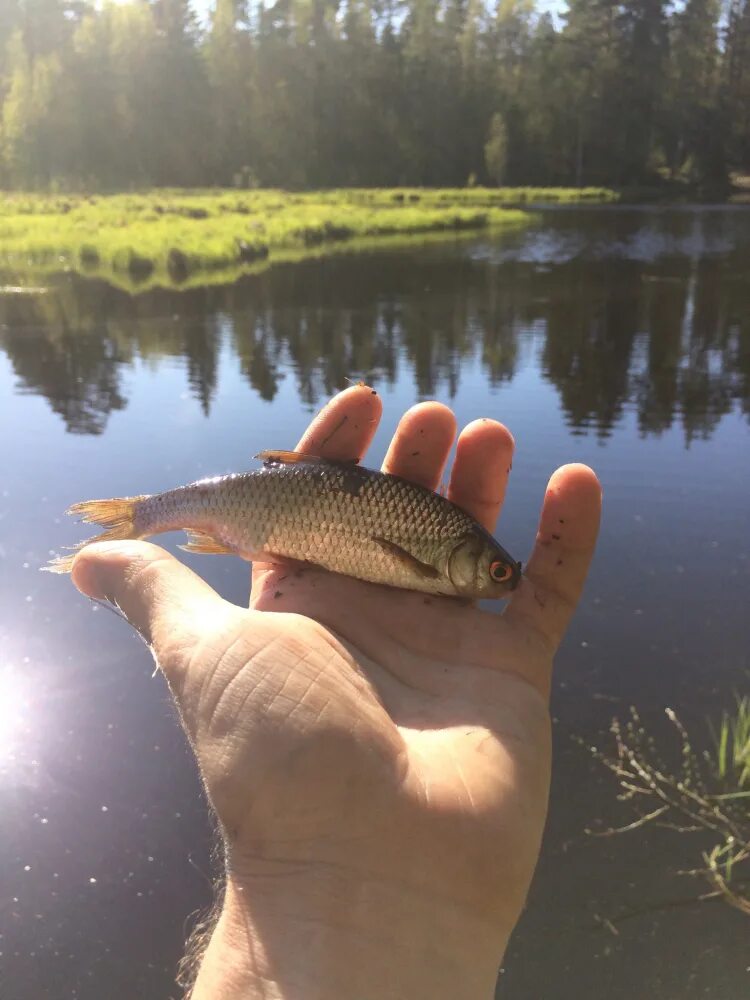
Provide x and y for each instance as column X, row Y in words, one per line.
column 116, row 516
column 201, row 541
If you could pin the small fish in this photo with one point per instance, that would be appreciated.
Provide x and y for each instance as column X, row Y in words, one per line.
column 335, row 515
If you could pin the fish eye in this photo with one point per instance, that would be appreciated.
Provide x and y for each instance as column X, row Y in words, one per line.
column 500, row 572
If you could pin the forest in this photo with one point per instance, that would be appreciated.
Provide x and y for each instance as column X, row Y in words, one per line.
column 320, row 93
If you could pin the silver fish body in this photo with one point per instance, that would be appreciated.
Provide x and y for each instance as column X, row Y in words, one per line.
column 339, row 516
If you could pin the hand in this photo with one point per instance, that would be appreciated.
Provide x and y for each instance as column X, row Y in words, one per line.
column 378, row 759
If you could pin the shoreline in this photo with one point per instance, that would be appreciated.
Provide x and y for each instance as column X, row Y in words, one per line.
column 180, row 238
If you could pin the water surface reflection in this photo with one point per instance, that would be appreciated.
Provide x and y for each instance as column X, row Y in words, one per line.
column 616, row 337
column 660, row 322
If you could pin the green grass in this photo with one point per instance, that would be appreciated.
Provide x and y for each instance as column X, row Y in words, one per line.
column 704, row 793
column 181, row 237
column 733, row 749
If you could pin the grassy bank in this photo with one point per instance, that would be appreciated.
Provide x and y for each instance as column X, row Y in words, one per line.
column 173, row 237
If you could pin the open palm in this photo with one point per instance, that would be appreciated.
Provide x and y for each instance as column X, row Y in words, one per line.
column 398, row 740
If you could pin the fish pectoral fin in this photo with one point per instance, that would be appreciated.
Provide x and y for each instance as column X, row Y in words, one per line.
column 272, row 457
column 201, row 541
column 407, row 559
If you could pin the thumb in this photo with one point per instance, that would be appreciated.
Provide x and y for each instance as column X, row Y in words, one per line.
column 172, row 608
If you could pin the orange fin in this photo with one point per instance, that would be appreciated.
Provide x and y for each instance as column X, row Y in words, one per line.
column 273, row 457
column 201, row 541
column 60, row 564
column 407, row 559
column 116, row 516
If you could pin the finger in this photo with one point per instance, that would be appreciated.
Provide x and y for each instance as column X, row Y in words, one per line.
column 484, row 454
column 171, row 607
column 421, row 445
column 345, row 426
column 564, row 546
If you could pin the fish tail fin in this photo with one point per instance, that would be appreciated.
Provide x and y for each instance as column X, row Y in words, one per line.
column 60, row 564
column 116, row 516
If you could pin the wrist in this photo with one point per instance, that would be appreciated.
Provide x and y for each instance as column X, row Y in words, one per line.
column 307, row 935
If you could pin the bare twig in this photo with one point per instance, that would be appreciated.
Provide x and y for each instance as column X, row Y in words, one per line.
column 706, row 794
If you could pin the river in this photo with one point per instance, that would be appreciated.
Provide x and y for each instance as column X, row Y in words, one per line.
column 615, row 336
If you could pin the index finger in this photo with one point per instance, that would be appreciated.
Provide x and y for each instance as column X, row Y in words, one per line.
column 345, row 427
column 565, row 543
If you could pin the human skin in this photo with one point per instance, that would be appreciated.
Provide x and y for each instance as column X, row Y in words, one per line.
column 378, row 759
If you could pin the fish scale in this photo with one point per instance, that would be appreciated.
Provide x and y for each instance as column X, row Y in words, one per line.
column 339, row 516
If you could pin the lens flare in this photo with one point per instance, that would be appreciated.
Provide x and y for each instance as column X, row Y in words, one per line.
column 14, row 706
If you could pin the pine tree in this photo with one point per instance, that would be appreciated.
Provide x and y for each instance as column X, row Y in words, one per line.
column 589, row 69
column 496, row 148
column 30, row 127
column 642, row 51
column 181, row 152
column 230, row 61
column 693, row 124
column 736, row 90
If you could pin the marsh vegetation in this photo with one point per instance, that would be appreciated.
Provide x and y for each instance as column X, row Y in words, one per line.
column 177, row 237
column 704, row 793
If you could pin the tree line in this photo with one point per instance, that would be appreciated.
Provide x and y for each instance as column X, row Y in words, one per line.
column 318, row 93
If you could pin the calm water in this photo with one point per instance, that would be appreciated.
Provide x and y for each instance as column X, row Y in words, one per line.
column 617, row 337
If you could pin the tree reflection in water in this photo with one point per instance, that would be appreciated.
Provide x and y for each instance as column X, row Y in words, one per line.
column 668, row 337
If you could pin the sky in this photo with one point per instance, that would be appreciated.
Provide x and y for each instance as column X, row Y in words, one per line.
column 555, row 7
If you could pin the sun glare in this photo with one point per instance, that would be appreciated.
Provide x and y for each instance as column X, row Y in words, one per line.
column 14, row 705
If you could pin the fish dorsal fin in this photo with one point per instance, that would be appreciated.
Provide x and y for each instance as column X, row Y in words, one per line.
column 273, row 457
column 424, row 570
